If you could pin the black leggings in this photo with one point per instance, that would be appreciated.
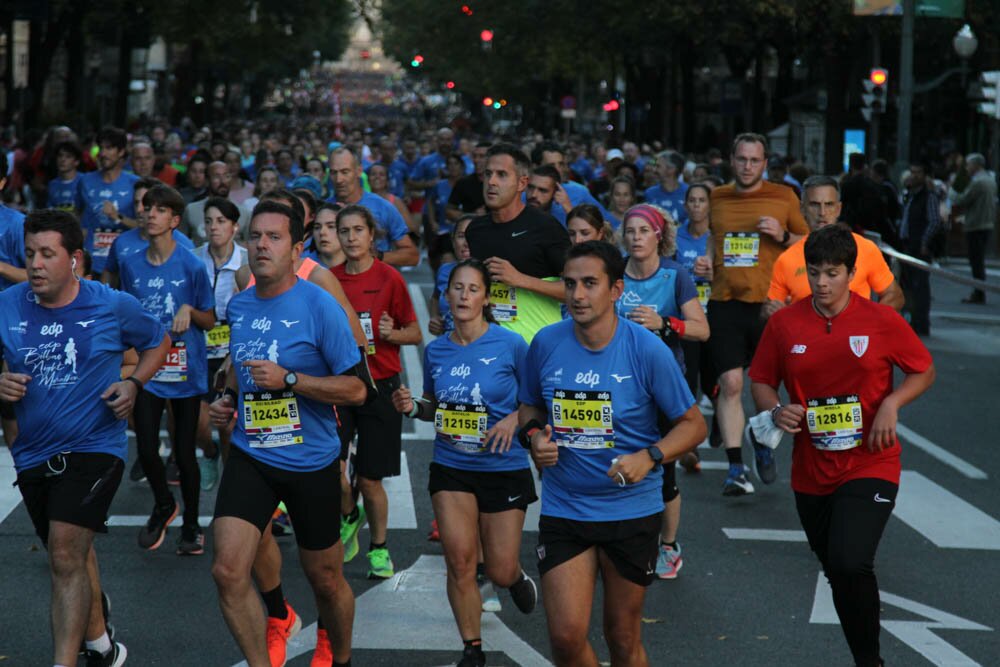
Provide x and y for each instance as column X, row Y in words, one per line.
column 844, row 529
column 148, row 411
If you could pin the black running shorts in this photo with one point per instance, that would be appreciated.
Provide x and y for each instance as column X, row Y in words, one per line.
column 379, row 429
column 632, row 545
column 251, row 490
column 75, row 488
column 736, row 329
column 497, row 491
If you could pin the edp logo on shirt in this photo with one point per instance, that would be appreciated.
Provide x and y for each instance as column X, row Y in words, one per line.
column 52, row 329
column 155, row 283
column 261, row 324
column 461, row 371
column 590, row 378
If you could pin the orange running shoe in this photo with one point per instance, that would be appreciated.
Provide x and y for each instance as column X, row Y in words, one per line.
column 434, row 535
column 279, row 631
column 323, row 655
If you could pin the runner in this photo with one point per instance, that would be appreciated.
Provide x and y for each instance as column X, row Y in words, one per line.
column 670, row 192
column 105, row 197
column 660, row 296
column 222, row 258
column 291, row 349
column 326, row 250
column 440, row 311
column 584, row 223
column 62, row 189
column 480, row 487
column 752, row 222
column 821, row 207
column 439, row 248
column 382, row 301
column 520, row 246
column 63, row 340
column 621, row 198
column 836, row 353
column 589, row 394
column 170, row 283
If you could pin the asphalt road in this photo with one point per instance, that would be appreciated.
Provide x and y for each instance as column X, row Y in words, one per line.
column 749, row 592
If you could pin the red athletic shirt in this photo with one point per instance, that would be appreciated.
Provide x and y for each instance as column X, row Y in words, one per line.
column 828, row 372
column 378, row 290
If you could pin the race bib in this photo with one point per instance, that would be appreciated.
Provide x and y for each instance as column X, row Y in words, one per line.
column 834, row 423
column 103, row 241
column 217, row 341
column 704, row 294
column 175, row 368
column 582, row 419
column 464, row 424
column 503, row 299
column 271, row 419
column 740, row 249
column 366, row 326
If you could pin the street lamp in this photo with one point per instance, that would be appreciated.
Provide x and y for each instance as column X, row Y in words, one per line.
column 965, row 42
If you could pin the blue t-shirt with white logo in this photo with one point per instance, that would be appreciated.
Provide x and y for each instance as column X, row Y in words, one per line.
column 62, row 194
column 689, row 249
column 441, row 287
column 669, row 288
column 131, row 242
column 11, row 240
column 671, row 202
column 101, row 231
column 162, row 290
column 303, row 330
column 442, row 192
column 72, row 354
column 476, row 386
column 596, row 399
column 399, row 173
column 578, row 194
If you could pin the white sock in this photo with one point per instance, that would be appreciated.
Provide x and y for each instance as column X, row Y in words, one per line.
column 102, row 644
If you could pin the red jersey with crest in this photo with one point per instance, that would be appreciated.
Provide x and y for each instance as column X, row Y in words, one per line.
column 840, row 369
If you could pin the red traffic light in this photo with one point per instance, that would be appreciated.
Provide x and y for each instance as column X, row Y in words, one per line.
column 366, row 54
column 486, row 35
column 487, row 101
column 878, row 76
column 611, row 105
column 467, row 10
column 418, row 58
column 449, row 85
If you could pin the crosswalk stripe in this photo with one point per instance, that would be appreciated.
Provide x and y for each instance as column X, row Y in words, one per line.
column 942, row 517
column 10, row 497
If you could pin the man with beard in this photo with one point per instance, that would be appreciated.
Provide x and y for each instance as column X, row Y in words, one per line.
column 542, row 188
column 193, row 221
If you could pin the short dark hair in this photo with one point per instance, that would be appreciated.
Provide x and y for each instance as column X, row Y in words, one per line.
column 475, row 264
column 54, row 220
column 295, row 224
column 113, row 136
column 164, row 195
column 70, row 147
column 881, row 167
column 545, row 147
column 856, row 161
column 627, row 180
column 820, row 181
column 548, row 171
column 285, row 195
column 201, row 155
column 750, row 138
column 699, row 184
column 306, row 198
column 833, row 245
column 614, row 263
column 521, row 162
column 146, row 183
column 228, row 209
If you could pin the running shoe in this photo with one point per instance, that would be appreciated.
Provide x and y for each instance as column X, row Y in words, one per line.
column 136, row 473
column 349, row 533
column 279, row 631
column 434, row 535
column 691, row 462
column 113, row 658
column 379, row 563
column 736, row 483
column 151, row 535
column 323, row 655
column 209, row 472
column 763, row 458
column 715, row 436
column 472, row 656
column 191, row 541
column 524, row 593
column 281, row 525
column 669, row 562
column 108, row 628
column 173, row 473
column 491, row 601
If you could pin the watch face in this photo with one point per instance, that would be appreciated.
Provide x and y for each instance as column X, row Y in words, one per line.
column 291, row 378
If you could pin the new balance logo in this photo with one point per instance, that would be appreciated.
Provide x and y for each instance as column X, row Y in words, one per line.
column 798, row 349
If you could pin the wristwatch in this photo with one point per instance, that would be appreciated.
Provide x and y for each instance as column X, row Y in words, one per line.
column 655, row 454
column 784, row 239
column 291, row 379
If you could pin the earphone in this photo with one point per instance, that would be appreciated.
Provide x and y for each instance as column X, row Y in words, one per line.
column 73, row 266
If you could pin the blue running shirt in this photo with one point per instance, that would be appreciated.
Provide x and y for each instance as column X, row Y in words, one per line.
column 441, row 286
column 601, row 405
column 101, row 230
column 72, row 354
column 669, row 288
column 162, row 290
column 11, row 240
column 303, row 330
column 671, row 202
column 689, row 249
column 131, row 242
column 62, row 194
column 476, row 386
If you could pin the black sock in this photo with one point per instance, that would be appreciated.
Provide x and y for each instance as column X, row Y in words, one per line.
column 372, row 546
column 672, row 545
column 274, row 600
column 735, row 455
column 353, row 515
column 476, row 644
column 481, row 570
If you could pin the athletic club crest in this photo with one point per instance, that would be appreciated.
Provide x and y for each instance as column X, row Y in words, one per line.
column 859, row 345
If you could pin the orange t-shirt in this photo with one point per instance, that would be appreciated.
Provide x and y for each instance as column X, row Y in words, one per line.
column 790, row 279
column 744, row 258
column 303, row 272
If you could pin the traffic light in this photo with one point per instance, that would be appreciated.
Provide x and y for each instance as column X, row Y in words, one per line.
column 874, row 96
column 486, row 39
column 487, row 101
column 417, row 61
column 990, row 82
column 450, row 85
column 611, row 105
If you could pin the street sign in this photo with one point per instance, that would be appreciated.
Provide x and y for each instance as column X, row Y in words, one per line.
column 567, row 113
column 567, row 102
column 991, row 91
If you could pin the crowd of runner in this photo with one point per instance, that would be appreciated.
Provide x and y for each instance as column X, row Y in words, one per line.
column 589, row 305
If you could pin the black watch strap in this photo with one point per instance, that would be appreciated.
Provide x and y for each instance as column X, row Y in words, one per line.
column 136, row 381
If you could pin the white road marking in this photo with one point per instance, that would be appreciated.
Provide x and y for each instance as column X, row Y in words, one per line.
column 915, row 634
column 765, row 534
column 127, row 520
column 10, row 497
column 942, row 517
column 940, row 453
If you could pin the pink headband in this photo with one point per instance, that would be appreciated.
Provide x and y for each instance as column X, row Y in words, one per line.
column 650, row 215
